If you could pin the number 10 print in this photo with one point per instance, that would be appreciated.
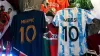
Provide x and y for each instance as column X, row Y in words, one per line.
column 24, row 33
column 72, row 27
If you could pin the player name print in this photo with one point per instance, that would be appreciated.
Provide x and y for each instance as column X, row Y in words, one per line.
column 23, row 34
column 27, row 21
column 71, row 20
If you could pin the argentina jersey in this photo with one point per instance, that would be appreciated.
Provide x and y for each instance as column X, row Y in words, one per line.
column 72, row 31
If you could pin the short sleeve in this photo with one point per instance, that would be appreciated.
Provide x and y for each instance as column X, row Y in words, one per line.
column 89, row 16
column 56, row 19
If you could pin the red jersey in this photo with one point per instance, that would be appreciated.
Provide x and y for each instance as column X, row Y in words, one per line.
column 53, row 36
column 93, row 42
column 4, row 18
column 54, row 5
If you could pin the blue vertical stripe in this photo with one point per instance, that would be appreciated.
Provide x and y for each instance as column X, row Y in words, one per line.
column 80, row 28
column 62, row 35
column 70, row 14
column 61, row 17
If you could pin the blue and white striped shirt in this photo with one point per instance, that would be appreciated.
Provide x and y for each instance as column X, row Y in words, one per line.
column 72, row 31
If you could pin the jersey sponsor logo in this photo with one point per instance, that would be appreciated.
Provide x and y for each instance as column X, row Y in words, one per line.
column 53, row 35
column 24, row 32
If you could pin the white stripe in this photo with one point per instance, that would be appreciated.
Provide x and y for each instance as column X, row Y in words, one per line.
column 49, row 38
column 19, row 51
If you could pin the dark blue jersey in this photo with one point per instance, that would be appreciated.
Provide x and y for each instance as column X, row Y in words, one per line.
column 27, row 30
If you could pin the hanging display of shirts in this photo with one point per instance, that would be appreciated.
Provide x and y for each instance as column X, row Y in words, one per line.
column 66, row 35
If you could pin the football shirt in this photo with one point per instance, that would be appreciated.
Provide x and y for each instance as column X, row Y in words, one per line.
column 93, row 42
column 53, row 38
column 54, row 5
column 27, row 32
column 46, row 46
column 6, row 16
column 72, row 31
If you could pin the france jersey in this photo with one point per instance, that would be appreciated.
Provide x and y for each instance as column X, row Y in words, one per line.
column 72, row 31
column 27, row 33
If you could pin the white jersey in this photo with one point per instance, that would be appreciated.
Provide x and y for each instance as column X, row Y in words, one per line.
column 72, row 31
